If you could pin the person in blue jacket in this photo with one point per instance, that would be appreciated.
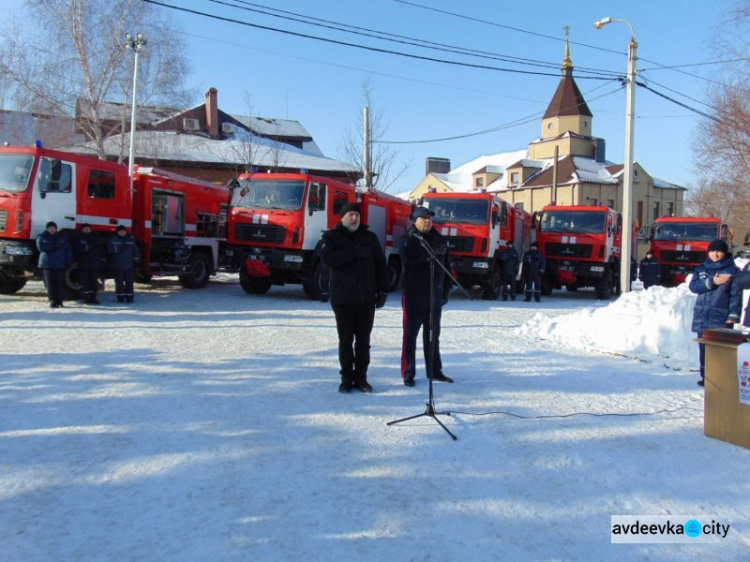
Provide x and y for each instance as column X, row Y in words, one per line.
column 89, row 252
column 55, row 255
column 533, row 272
column 719, row 299
column 123, row 255
column 509, row 261
column 649, row 271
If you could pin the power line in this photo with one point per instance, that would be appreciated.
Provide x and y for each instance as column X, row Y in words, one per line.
column 521, row 121
column 680, row 93
column 367, row 48
column 677, row 66
column 386, row 36
column 689, row 108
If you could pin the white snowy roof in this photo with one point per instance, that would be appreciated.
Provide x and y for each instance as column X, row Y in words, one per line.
column 588, row 170
column 273, row 127
column 169, row 145
column 665, row 184
column 461, row 178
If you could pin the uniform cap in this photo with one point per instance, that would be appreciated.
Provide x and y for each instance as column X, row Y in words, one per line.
column 422, row 212
column 718, row 246
column 349, row 207
column 50, row 223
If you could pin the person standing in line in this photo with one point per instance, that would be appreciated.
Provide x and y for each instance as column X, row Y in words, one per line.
column 649, row 271
column 123, row 255
column 415, row 299
column 719, row 299
column 509, row 261
column 533, row 272
column 89, row 256
column 55, row 255
column 358, row 285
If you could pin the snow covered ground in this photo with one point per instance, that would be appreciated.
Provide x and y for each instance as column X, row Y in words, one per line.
column 206, row 425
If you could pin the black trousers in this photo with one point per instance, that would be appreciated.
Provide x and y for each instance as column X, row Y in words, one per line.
column 416, row 316
column 534, row 287
column 354, row 326
column 123, row 282
column 89, row 279
column 54, row 280
column 509, row 280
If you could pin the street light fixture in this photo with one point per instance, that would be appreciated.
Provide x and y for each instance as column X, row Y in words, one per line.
column 136, row 43
column 627, row 186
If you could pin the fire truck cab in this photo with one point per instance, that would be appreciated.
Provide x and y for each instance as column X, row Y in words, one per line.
column 478, row 227
column 582, row 248
column 276, row 223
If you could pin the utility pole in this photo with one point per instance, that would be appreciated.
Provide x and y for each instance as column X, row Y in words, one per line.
column 367, row 151
column 136, row 43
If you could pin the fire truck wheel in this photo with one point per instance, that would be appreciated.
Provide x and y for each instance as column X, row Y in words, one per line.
column 394, row 274
column 72, row 284
column 11, row 285
column 199, row 271
column 492, row 285
column 604, row 286
column 254, row 285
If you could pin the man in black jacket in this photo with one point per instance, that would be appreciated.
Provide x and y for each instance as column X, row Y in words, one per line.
column 509, row 261
column 123, row 255
column 650, row 271
column 358, row 284
column 533, row 272
column 89, row 252
column 415, row 299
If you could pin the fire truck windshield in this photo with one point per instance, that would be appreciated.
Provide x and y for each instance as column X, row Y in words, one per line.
column 686, row 231
column 581, row 222
column 270, row 194
column 15, row 170
column 461, row 211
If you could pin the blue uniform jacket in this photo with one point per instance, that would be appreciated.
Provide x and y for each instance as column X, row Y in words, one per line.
column 123, row 252
column 55, row 250
column 715, row 303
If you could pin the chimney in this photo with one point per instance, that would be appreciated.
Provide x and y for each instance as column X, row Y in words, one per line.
column 212, row 113
column 435, row 165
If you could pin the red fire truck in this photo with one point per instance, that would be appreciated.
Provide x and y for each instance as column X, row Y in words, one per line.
column 680, row 244
column 478, row 227
column 276, row 222
column 582, row 247
column 177, row 222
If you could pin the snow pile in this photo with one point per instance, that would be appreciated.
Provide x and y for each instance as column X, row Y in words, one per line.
column 639, row 324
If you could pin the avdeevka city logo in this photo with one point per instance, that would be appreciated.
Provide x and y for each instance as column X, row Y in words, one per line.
column 693, row 528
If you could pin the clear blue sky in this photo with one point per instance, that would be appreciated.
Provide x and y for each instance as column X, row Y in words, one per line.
column 320, row 84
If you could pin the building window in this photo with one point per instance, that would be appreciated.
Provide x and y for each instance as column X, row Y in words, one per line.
column 478, row 182
column 657, row 208
column 670, row 209
column 639, row 212
column 611, row 203
column 514, row 178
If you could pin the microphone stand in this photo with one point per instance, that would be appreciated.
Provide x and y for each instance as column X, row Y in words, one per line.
column 430, row 411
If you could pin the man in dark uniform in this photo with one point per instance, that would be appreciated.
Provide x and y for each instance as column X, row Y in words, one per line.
column 650, row 270
column 123, row 255
column 89, row 252
column 533, row 271
column 358, row 284
column 55, row 255
column 415, row 299
column 509, row 261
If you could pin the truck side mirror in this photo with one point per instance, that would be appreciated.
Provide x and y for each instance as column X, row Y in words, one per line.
column 494, row 217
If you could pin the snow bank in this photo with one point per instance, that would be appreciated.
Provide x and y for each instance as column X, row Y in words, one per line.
column 639, row 324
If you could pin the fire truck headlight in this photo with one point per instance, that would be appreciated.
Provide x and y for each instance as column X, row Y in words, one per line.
column 18, row 251
column 481, row 265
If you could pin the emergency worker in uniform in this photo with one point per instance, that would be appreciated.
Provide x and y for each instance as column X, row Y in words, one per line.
column 55, row 255
column 123, row 256
column 358, row 285
column 509, row 261
column 89, row 252
column 415, row 299
column 533, row 272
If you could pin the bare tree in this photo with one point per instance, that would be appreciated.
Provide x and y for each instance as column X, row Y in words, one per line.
column 385, row 163
column 722, row 146
column 70, row 52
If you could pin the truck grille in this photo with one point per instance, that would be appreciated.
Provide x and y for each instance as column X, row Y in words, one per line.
column 259, row 232
column 569, row 250
column 3, row 220
column 460, row 243
column 683, row 258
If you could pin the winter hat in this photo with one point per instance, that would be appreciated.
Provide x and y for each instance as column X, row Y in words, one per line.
column 85, row 225
column 422, row 212
column 119, row 228
column 534, row 245
column 349, row 207
column 718, row 246
column 650, row 253
column 50, row 223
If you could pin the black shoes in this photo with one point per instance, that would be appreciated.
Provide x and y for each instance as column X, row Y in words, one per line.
column 345, row 387
column 409, row 382
column 128, row 299
column 363, row 386
column 701, row 383
column 527, row 299
column 441, row 378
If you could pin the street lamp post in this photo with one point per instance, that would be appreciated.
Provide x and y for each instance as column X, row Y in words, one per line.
column 136, row 43
column 627, row 186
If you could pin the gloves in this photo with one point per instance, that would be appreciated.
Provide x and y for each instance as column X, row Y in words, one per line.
column 362, row 252
column 380, row 300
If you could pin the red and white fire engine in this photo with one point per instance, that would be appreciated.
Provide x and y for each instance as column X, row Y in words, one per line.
column 680, row 244
column 582, row 248
column 177, row 222
column 276, row 222
column 478, row 227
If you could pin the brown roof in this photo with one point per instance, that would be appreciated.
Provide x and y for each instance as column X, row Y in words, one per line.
column 565, row 170
column 568, row 99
